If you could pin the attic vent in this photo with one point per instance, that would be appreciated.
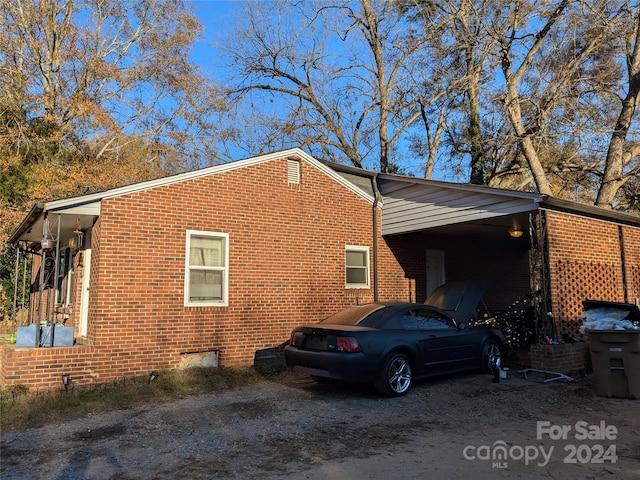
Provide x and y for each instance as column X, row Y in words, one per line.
column 293, row 171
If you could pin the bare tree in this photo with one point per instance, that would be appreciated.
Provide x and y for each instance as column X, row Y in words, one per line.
column 96, row 94
column 555, row 69
column 471, row 48
column 340, row 76
column 622, row 164
column 104, row 72
column 555, row 59
column 514, row 74
column 521, row 94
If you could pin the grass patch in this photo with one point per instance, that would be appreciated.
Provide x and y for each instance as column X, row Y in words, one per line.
column 20, row 409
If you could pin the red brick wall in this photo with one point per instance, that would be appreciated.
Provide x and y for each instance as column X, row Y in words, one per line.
column 585, row 263
column 286, row 263
column 286, row 266
column 42, row 368
column 631, row 239
column 564, row 358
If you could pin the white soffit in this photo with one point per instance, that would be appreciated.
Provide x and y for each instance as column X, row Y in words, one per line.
column 418, row 206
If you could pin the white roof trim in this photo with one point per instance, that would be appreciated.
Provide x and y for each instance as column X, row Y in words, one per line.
column 400, row 182
column 92, row 208
column 182, row 177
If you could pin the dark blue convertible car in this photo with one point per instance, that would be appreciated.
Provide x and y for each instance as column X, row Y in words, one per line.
column 392, row 344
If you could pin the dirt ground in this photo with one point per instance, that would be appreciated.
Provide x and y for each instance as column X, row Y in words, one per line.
column 289, row 427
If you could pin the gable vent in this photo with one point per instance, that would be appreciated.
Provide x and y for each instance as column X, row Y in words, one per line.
column 293, row 171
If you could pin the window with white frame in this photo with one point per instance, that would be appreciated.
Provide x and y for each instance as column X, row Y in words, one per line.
column 356, row 267
column 207, row 271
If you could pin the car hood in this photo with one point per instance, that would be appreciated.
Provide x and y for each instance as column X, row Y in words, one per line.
column 458, row 299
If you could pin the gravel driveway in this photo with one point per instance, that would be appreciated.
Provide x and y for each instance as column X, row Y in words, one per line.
column 290, row 427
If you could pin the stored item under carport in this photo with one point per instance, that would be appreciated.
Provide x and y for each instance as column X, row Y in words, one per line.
column 615, row 357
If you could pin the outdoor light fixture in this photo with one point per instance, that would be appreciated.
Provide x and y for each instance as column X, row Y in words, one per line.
column 66, row 380
column 153, row 376
column 79, row 234
column 515, row 232
column 47, row 244
column 79, row 238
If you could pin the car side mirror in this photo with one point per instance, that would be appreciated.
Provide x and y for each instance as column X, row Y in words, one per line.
column 462, row 326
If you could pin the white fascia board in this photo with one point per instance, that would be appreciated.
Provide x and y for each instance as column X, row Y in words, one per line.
column 330, row 173
column 403, row 181
column 92, row 208
column 226, row 167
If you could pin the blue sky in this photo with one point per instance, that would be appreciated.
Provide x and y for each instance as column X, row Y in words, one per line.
column 213, row 15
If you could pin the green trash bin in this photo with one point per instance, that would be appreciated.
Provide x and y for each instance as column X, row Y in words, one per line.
column 615, row 358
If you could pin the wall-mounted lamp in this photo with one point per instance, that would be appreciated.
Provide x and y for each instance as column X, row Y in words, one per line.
column 47, row 244
column 153, row 376
column 66, row 381
column 79, row 234
column 79, row 239
column 515, row 232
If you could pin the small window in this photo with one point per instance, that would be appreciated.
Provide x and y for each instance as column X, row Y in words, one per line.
column 357, row 267
column 206, row 273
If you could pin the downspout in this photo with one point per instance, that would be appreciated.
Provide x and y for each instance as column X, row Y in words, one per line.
column 623, row 261
column 374, row 183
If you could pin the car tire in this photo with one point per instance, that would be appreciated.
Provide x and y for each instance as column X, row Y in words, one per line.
column 491, row 356
column 396, row 375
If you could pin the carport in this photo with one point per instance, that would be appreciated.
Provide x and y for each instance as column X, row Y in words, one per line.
column 541, row 256
column 444, row 232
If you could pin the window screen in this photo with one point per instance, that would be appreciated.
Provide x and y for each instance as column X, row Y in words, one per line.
column 206, row 281
column 357, row 267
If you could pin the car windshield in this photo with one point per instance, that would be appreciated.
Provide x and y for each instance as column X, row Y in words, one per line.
column 352, row 315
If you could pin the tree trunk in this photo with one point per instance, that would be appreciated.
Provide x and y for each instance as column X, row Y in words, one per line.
column 512, row 106
column 474, row 131
column 613, row 177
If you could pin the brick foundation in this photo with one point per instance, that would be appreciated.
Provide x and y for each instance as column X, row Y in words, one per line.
column 563, row 358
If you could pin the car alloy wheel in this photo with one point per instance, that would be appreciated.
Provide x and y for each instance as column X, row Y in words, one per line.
column 396, row 375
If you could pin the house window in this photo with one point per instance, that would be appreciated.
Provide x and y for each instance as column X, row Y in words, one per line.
column 357, row 267
column 206, row 279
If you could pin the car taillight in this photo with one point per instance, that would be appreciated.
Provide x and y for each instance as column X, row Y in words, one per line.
column 347, row 344
column 292, row 340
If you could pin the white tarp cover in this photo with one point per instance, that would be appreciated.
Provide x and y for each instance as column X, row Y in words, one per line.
column 606, row 318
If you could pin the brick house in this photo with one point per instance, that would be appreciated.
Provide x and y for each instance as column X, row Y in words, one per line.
column 212, row 267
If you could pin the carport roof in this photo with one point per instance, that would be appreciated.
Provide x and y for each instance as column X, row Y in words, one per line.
column 412, row 204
